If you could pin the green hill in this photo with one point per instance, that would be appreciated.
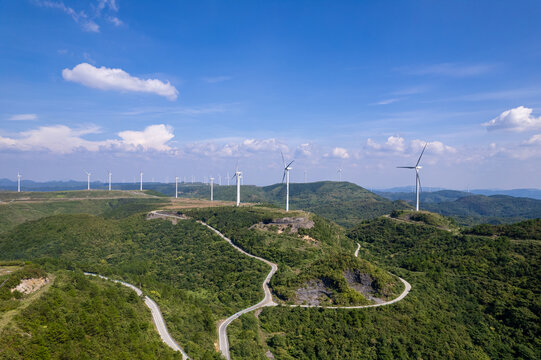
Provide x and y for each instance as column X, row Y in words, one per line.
column 493, row 209
column 342, row 202
column 473, row 297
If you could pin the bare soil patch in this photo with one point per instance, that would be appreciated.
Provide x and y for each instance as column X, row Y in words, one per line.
column 287, row 224
column 28, row 286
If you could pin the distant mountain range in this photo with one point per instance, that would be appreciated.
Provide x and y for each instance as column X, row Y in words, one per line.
column 343, row 202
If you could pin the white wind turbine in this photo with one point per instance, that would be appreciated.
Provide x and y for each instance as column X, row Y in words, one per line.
column 140, row 181
column 286, row 176
column 87, row 179
column 19, row 176
column 339, row 174
column 417, row 178
column 109, row 173
column 238, row 176
column 176, row 187
column 211, row 179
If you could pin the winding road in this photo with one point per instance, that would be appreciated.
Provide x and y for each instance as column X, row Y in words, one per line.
column 267, row 300
column 156, row 316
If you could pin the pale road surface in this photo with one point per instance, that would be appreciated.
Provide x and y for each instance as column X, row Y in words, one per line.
column 267, row 300
column 156, row 316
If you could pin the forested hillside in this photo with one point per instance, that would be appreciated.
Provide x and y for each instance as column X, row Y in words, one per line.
column 195, row 276
column 75, row 318
column 473, row 297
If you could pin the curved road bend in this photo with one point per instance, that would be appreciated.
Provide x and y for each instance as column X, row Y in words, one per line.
column 156, row 316
column 407, row 288
column 267, row 301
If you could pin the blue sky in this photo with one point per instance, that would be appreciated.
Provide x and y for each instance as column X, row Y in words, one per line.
column 179, row 88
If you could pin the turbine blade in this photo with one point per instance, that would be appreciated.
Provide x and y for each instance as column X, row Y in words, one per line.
column 283, row 160
column 290, row 163
column 283, row 177
column 422, row 152
column 405, row 167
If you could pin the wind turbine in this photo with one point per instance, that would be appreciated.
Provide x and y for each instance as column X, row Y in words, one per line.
column 87, row 179
column 110, row 173
column 176, row 187
column 238, row 176
column 286, row 176
column 339, row 174
column 227, row 176
column 211, row 179
column 220, row 180
column 417, row 178
column 19, row 176
column 140, row 181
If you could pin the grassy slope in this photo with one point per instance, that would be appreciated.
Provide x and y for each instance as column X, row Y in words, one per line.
column 195, row 276
column 81, row 318
column 473, row 297
column 342, row 202
column 14, row 213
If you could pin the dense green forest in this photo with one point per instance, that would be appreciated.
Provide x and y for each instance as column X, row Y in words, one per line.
column 196, row 277
column 299, row 260
column 77, row 318
column 473, row 297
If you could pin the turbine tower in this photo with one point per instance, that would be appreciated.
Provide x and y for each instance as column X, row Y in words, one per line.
column 238, row 176
column 417, row 178
column 211, row 179
column 176, row 187
column 87, row 180
column 339, row 174
column 286, row 176
column 140, row 181
column 110, row 173
column 19, row 176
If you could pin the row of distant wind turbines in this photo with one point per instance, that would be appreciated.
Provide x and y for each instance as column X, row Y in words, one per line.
column 238, row 177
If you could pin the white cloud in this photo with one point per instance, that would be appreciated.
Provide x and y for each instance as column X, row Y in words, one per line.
column 398, row 145
column 79, row 17
column 216, row 79
column 62, row 139
column 116, row 21
column 21, row 117
column 154, row 137
column 387, row 101
column 517, row 119
column 451, row 69
column 235, row 148
column 534, row 140
column 340, row 153
column 304, row 150
column 117, row 79
column 393, row 144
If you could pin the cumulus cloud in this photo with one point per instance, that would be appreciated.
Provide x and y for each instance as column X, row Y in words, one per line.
column 62, row 139
column 22, row 117
column 154, row 137
column 517, row 119
column 117, row 79
column 393, row 144
column 398, row 145
column 235, row 148
column 340, row 153
column 304, row 150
